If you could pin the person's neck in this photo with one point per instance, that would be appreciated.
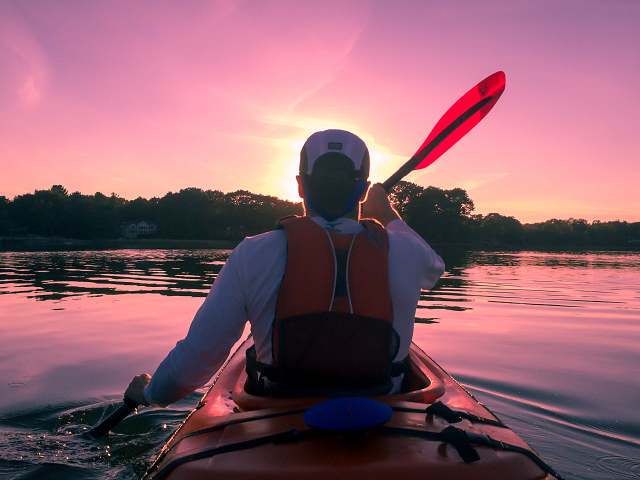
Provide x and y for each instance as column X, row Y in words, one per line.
column 353, row 214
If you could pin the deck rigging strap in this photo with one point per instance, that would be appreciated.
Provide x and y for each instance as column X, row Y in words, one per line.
column 243, row 420
column 450, row 416
column 455, row 416
column 233, row 447
column 438, row 408
column 460, row 439
column 474, row 439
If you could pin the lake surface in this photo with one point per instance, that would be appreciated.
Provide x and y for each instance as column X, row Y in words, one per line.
column 549, row 341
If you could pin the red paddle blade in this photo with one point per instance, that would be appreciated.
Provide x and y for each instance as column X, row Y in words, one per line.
column 490, row 88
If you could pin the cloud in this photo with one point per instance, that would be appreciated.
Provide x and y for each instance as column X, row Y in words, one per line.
column 23, row 63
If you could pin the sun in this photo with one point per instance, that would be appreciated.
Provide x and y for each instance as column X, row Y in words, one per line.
column 280, row 180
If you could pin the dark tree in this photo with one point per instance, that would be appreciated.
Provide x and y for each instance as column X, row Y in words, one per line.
column 5, row 225
column 191, row 213
column 403, row 194
column 497, row 228
column 437, row 215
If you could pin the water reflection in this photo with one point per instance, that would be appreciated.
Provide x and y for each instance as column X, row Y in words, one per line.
column 550, row 341
column 58, row 275
column 562, row 280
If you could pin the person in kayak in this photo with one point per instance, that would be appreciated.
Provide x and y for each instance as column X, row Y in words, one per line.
column 331, row 301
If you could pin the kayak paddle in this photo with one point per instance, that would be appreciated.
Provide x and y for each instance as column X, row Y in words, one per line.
column 465, row 114
column 115, row 418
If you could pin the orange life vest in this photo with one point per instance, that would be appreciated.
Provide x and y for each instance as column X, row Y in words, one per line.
column 333, row 329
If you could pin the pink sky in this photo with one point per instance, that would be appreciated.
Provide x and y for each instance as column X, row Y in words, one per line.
column 141, row 98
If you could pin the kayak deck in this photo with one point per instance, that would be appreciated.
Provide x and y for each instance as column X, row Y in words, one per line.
column 437, row 431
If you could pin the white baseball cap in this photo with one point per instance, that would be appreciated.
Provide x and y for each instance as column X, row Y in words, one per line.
column 336, row 147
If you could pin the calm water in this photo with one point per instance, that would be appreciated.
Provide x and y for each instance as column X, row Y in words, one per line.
column 549, row 342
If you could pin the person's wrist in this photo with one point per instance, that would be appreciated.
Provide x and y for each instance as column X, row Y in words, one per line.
column 135, row 390
column 387, row 217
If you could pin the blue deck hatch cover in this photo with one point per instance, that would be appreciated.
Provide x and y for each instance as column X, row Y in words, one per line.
column 347, row 413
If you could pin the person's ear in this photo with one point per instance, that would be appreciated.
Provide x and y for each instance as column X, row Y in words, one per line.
column 300, row 186
column 364, row 195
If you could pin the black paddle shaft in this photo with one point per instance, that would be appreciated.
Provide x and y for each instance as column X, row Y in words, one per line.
column 115, row 418
column 414, row 161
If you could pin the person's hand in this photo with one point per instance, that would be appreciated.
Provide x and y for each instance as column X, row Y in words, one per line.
column 136, row 387
column 377, row 205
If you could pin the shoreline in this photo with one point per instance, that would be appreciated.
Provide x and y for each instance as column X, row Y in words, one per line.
column 39, row 244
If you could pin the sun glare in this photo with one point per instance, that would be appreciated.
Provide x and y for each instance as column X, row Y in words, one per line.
column 281, row 179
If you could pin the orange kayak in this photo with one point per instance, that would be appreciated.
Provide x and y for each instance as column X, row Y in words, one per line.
column 437, row 430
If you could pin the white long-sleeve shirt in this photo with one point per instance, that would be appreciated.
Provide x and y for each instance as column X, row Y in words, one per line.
column 246, row 289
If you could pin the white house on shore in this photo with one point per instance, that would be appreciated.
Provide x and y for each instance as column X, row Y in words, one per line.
column 133, row 229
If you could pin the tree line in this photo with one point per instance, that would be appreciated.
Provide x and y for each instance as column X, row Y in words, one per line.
column 191, row 213
column 439, row 216
column 446, row 216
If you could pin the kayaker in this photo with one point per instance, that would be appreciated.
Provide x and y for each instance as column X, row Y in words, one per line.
column 331, row 301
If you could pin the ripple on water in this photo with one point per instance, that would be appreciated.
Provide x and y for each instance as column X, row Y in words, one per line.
column 549, row 341
column 622, row 466
column 53, row 444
